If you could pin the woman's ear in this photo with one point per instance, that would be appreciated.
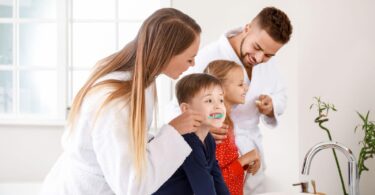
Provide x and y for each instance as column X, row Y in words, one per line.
column 184, row 107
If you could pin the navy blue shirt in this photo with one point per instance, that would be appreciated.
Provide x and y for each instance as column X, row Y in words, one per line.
column 199, row 174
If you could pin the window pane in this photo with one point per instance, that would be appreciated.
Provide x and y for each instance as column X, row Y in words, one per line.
column 38, row 45
column 137, row 10
column 128, row 31
column 93, row 9
column 6, row 91
column 38, row 92
column 92, row 42
column 6, row 46
column 37, row 8
column 6, row 8
column 79, row 78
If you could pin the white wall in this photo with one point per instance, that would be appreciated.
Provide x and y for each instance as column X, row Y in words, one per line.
column 336, row 61
column 281, row 144
column 27, row 153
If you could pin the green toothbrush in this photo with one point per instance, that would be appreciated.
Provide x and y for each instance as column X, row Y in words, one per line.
column 216, row 116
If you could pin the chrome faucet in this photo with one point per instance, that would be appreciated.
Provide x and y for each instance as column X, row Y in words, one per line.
column 352, row 165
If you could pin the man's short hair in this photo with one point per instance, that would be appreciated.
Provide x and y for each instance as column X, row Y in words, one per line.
column 276, row 23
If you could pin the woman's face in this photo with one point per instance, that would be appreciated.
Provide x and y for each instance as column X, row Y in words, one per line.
column 181, row 62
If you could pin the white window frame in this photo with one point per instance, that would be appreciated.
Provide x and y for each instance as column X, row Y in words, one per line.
column 64, row 67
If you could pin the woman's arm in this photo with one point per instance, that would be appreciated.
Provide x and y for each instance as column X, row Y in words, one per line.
column 165, row 153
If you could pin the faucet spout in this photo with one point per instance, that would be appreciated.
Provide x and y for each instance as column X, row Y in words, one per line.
column 353, row 175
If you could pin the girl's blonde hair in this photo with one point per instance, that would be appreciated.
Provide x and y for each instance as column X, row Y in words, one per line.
column 164, row 34
column 220, row 69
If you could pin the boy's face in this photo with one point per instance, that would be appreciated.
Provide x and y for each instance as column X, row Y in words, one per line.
column 210, row 102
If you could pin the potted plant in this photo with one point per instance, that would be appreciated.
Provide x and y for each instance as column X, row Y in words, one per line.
column 368, row 143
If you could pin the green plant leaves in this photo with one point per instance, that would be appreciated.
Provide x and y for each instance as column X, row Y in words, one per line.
column 368, row 142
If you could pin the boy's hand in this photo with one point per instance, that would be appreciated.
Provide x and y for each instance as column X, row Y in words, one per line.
column 265, row 105
column 219, row 133
column 187, row 122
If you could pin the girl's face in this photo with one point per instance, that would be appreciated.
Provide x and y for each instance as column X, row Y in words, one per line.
column 234, row 87
column 210, row 102
column 181, row 62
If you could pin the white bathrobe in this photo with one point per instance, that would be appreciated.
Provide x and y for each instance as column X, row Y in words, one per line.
column 266, row 80
column 97, row 158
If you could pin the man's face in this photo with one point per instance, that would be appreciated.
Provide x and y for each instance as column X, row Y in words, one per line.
column 257, row 46
column 210, row 102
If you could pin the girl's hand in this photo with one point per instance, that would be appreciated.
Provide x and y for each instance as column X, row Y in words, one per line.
column 187, row 122
column 254, row 167
column 219, row 133
column 250, row 161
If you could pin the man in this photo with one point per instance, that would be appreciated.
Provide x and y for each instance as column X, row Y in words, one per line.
column 253, row 46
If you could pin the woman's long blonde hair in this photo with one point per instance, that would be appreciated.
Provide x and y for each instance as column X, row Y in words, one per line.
column 164, row 34
column 220, row 69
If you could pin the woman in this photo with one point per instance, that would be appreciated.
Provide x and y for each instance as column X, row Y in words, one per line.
column 107, row 149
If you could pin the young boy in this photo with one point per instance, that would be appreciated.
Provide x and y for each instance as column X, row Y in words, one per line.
column 200, row 173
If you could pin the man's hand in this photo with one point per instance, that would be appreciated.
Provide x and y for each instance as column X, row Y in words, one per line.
column 265, row 105
column 219, row 133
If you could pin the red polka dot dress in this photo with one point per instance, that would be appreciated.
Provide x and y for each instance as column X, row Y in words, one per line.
column 227, row 156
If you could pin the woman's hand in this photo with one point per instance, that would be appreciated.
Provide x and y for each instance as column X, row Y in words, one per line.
column 187, row 122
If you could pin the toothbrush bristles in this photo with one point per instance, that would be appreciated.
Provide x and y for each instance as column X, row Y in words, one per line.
column 216, row 116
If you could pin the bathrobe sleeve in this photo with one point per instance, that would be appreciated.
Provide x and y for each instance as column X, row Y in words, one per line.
column 164, row 154
column 277, row 91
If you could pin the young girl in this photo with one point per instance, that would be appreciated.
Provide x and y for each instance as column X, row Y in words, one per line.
column 232, row 77
column 107, row 148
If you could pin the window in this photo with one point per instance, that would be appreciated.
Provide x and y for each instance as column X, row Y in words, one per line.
column 48, row 48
